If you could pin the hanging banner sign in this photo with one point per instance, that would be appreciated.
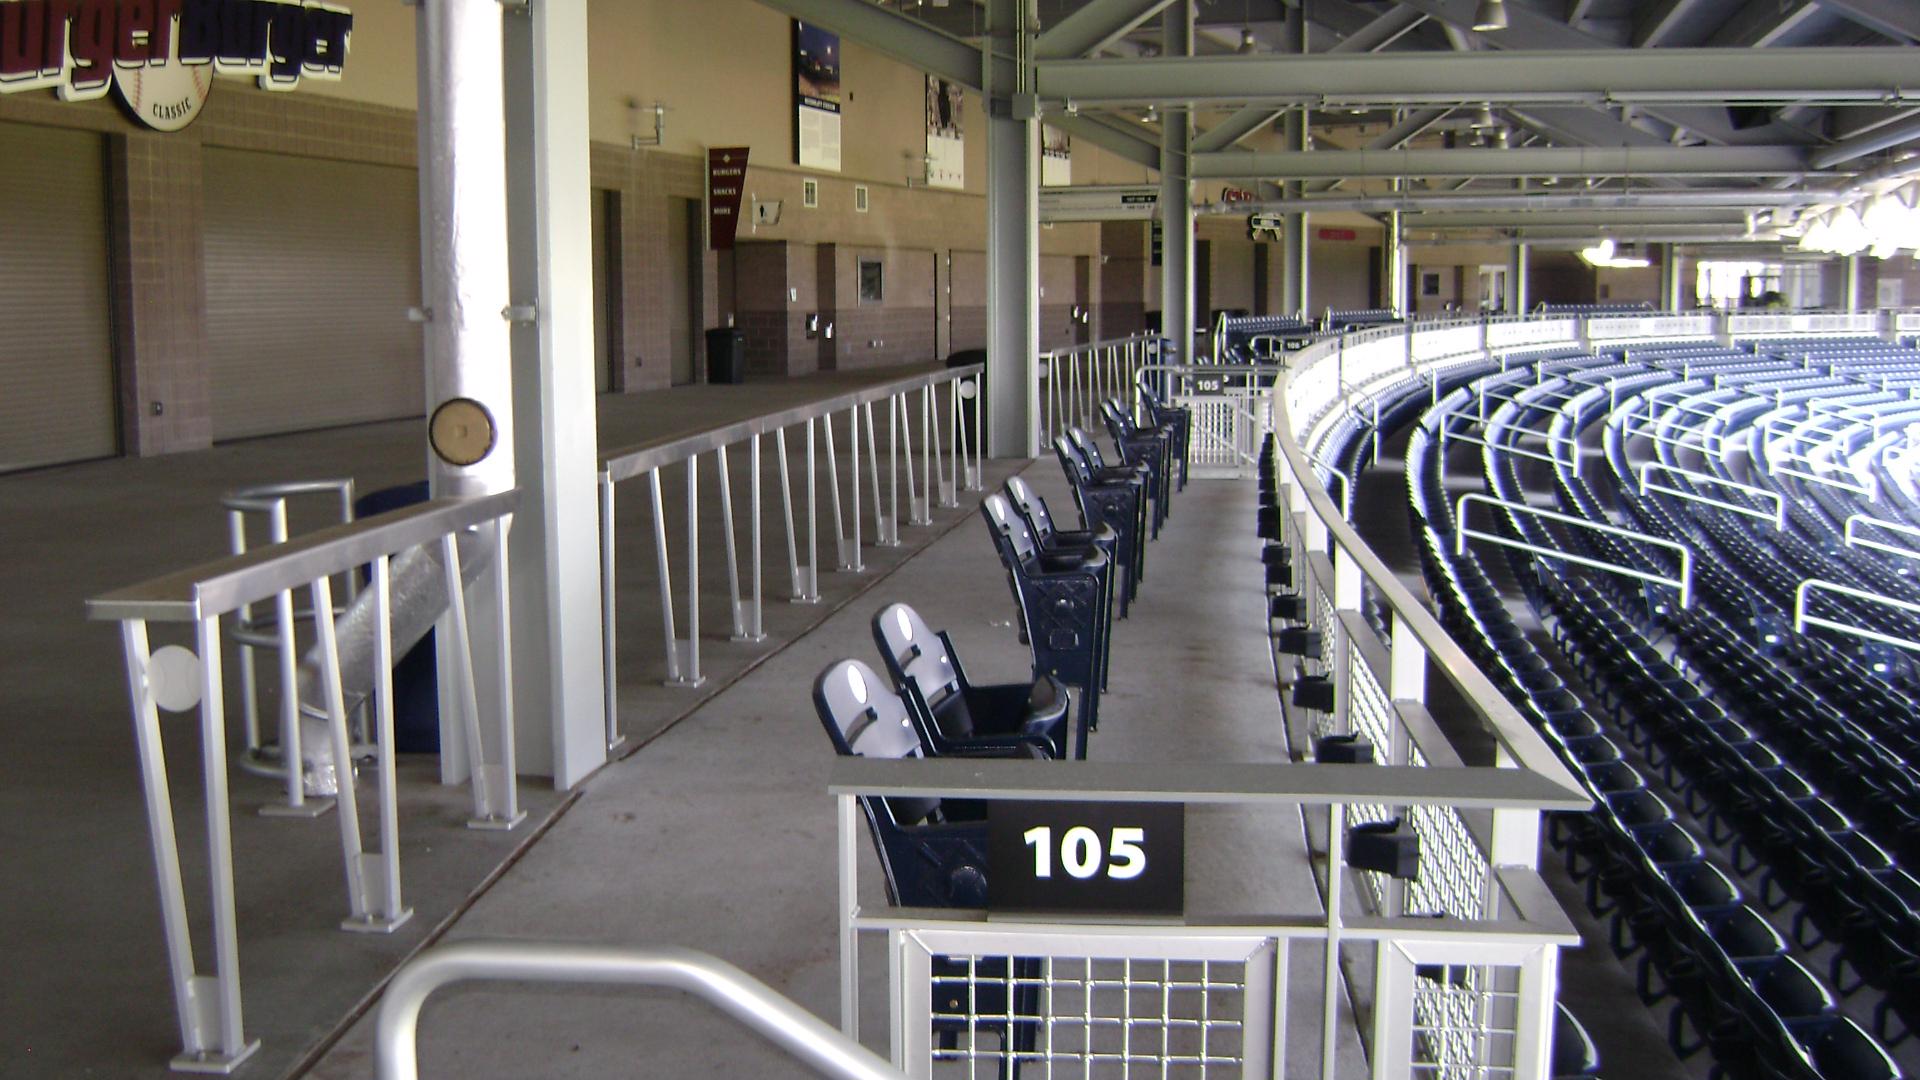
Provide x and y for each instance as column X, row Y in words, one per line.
column 726, row 177
column 1339, row 234
column 816, row 97
column 160, row 56
column 1056, row 157
column 1136, row 202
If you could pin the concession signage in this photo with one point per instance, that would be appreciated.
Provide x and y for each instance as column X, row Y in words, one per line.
column 726, row 175
column 159, row 56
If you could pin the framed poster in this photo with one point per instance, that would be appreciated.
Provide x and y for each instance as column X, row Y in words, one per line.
column 946, row 143
column 816, row 97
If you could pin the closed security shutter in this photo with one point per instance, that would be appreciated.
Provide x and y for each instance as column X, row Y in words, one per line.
column 311, row 267
column 56, row 351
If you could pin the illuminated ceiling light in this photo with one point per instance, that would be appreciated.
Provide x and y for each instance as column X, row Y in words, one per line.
column 1483, row 119
column 1248, row 43
column 1490, row 15
column 1604, row 254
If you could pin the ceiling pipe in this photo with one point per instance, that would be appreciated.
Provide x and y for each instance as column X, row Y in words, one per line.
column 1416, row 202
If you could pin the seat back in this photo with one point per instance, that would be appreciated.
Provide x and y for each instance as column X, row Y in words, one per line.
column 1089, row 449
column 865, row 718
column 1010, row 529
column 1032, row 507
column 913, row 652
column 1072, row 462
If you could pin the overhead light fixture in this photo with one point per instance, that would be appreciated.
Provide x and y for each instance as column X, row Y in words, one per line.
column 1483, row 119
column 1248, row 43
column 1604, row 254
column 1490, row 15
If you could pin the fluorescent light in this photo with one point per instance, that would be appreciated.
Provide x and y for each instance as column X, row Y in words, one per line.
column 1248, row 43
column 1490, row 15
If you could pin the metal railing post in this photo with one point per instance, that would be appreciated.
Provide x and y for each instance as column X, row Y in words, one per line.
column 733, row 556
column 833, row 490
column 665, row 570
column 757, row 630
column 694, row 678
column 609, row 655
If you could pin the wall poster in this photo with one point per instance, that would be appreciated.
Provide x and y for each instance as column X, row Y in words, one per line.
column 816, row 97
column 1056, row 157
column 946, row 143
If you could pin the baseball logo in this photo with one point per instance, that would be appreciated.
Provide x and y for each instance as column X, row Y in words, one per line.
column 165, row 97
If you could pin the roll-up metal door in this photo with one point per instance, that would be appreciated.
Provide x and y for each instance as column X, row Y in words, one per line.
column 311, row 267
column 56, row 335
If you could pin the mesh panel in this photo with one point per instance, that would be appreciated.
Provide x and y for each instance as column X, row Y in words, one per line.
column 1323, row 621
column 1453, row 871
column 1464, row 1022
column 1087, row 1017
column 1369, row 714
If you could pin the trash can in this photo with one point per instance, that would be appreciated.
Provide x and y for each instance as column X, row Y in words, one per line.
column 726, row 355
column 964, row 358
column 416, row 684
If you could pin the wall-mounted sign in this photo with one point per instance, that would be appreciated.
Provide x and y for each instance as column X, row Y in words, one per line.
column 1156, row 243
column 816, row 97
column 1056, row 157
column 160, row 56
column 1338, row 234
column 1237, row 195
column 1086, row 857
column 1106, row 202
column 946, row 142
column 726, row 177
column 1266, row 227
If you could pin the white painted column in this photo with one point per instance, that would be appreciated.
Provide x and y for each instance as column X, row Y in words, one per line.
column 555, row 558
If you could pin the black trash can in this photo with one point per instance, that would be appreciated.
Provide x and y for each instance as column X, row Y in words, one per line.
column 416, row 686
column 726, row 355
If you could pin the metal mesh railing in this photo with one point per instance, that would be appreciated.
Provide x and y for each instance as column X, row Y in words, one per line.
column 1464, row 1022
column 1088, row 1017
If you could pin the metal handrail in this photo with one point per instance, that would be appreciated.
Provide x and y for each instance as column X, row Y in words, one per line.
column 1802, row 620
column 629, row 462
column 1462, row 534
column 1850, row 535
column 736, row 993
column 225, row 585
column 1778, row 516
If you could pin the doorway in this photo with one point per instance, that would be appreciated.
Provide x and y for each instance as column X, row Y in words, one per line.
column 684, row 241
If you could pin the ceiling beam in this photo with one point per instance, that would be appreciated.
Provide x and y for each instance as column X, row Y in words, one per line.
column 1128, row 145
column 1408, row 129
column 1898, row 19
column 1523, row 162
column 895, row 36
column 1874, row 141
column 1381, row 32
column 1660, row 21
column 1095, row 25
column 1500, row 77
column 1234, row 128
column 1762, row 23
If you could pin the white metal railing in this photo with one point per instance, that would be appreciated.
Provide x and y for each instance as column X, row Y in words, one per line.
column 252, row 631
column 1247, row 961
column 1682, row 582
column 1803, row 618
column 1778, row 515
column 1855, row 522
column 428, row 540
column 1793, row 324
column 746, row 999
column 943, row 473
column 1076, row 379
column 1226, row 406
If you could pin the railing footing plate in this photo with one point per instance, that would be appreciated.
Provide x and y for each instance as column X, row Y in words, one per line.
column 376, row 924
column 496, row 824
column 312, row 808
column 684, row 683
column 212, row 1062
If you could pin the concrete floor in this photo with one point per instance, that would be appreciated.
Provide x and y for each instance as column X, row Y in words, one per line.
column 715, row 832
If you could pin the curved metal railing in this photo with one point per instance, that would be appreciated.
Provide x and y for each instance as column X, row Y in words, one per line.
column 741, row 996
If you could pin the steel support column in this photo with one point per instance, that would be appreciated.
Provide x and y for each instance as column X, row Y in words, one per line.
column 554, row 557
column 464, row 284
column 1013, row 236
column 1176, row 199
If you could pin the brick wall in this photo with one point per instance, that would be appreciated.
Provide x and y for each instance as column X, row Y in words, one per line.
column 159, row 302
